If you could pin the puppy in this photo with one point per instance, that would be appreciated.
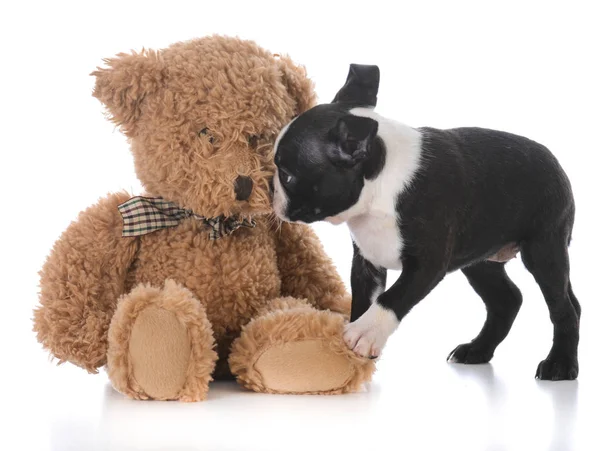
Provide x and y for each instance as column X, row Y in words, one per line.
column 429, row 202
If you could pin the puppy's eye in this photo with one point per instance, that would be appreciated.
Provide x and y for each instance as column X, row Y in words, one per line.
column 286, row 178
column 205, row 133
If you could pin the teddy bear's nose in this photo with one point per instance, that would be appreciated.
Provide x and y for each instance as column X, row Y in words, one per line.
column 243, row 187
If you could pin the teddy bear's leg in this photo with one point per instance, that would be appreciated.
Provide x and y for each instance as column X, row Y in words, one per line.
column 290, row 347
column 160, row 345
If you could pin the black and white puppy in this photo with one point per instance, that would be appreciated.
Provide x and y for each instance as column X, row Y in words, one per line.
column 429, row 202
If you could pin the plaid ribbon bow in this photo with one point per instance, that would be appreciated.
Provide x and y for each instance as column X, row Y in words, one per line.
column 142, row 215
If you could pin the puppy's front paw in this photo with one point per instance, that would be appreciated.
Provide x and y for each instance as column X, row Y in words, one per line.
column 368, row 334
column 365, row 341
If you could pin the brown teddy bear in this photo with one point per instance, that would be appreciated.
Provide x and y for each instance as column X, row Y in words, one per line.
column 197, row 279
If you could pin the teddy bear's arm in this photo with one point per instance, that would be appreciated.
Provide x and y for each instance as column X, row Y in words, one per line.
column 306, row 270
column 80, row 283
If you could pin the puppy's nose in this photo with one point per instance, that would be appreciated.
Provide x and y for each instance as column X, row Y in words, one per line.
column 243, row 187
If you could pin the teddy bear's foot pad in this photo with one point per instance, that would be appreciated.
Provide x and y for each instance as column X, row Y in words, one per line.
column 159, row 349
column 299, row 350
column 161, row 345
column 307, row 366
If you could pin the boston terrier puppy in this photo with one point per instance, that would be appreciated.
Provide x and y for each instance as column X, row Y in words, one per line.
column 429, row 202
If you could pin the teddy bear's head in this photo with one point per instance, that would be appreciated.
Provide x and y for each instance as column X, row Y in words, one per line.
column 202, row 117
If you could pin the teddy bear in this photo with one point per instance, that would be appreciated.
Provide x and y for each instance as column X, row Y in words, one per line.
column 196, row 279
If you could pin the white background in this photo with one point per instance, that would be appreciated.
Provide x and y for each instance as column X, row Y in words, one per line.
column 529, row 68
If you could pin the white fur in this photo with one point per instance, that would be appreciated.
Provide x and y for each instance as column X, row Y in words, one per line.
column 376, row 293
column 280, row 200
column 373, row 220
column 374, row 224
column 378, row 238
column 368, row 334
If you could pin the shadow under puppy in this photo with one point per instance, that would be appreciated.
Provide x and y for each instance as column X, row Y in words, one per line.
column 429, row 202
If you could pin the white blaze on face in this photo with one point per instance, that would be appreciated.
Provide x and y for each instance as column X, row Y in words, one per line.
column 280, row 199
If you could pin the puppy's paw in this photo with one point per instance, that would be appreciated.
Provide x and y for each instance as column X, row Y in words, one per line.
column 366, row 342
column 470, row 353
column 558, row 369
column 368, row 334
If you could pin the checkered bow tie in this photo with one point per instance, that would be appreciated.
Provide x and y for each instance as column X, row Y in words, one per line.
column 142, row 215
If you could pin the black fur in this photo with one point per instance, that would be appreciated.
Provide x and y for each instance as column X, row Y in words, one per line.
column 365, row 279
column 319, row 163
column 362, row 85
column 475, row 192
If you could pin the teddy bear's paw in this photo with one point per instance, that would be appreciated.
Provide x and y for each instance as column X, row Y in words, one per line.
column 299, row 351
column 159, row 349
column 306, row 366
column 161, row 345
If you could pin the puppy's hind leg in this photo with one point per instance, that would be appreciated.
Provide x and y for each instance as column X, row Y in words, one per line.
column 547, row 258
column 574, row 301
column 502, row 300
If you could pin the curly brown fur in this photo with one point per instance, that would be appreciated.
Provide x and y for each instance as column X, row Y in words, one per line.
column 180, row 301
column 297, row 84
column 81, row 281
column 283, row 303
column 232, row 88
column 293, row 324
column 307, row 271
column 191, row 113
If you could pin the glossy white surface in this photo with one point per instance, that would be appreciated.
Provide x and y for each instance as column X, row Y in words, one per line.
column 417, row 401
column 522, row 67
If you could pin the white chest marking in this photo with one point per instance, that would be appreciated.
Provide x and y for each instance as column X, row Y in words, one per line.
column 378, row 239
column 373, row 220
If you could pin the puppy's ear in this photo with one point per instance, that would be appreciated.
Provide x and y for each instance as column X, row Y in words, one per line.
column 361, row 86
column 124, row 83
column 353, row 136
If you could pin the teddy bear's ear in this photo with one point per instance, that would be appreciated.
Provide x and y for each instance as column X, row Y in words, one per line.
column 124, row 83
column 297, row 83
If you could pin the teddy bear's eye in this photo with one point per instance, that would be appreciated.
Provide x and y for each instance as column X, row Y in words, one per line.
column 253, row 141
column 205, row 132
